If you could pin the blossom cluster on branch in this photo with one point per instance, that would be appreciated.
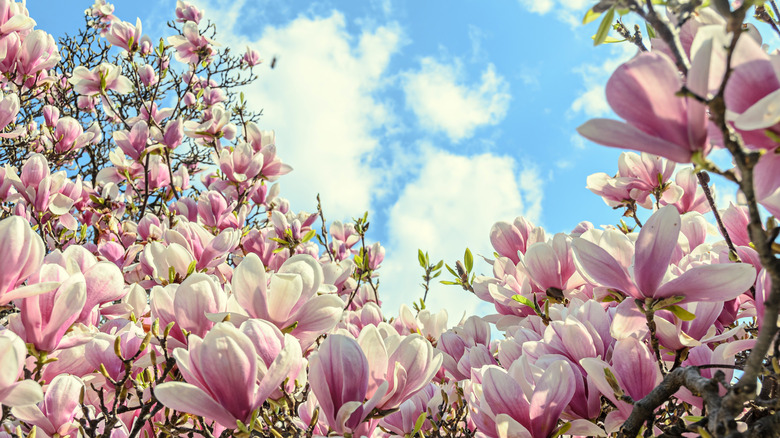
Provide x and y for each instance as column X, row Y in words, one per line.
column 154, row 282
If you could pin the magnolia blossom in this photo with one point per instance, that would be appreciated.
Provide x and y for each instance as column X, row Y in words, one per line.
column 56, row 414
column 289, row 299
column 103, row 78
column 239, row 385
column 642, row 91
column 23, row 254
column 191, row 47
column 648, row 277
column 342, row 397
column 12, row 357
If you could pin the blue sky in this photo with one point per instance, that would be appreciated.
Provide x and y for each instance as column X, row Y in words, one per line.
column 438, row 117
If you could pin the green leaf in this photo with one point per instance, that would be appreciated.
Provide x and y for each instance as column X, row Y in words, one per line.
column 438, row 265
column 590, row 16
column 421, row 258
column 650, row 30
column 191, row 267
column 563, row 429
column 435, row 275
column 613, row 382
column 603, row 31
column 682, row 313
column 666, row 302
column 604, row 26
column 452, row 271
column 523, row 300
column 419, row 423
column 308, row 236
column 468, row 260
column 454, row 283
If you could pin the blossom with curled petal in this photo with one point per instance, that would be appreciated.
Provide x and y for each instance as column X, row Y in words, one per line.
column 98, row 81
column 647, row 278
column 239, row 383
column 643, row 92
column 12, row 357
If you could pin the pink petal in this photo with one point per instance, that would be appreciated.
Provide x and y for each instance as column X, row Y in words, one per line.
column 26, row 392
column 621, row 135
column 184, row 397
column 635, row 367
column 602, row 268
column 654, row 248
column 551, row 396
column 721, row 282
column 250, row 286
column 504, row 395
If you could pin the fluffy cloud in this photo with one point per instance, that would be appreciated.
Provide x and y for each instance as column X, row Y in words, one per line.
column 321, row 100
column 538, row 6
column 451, row 205
column 442, row 103
column 592, row 102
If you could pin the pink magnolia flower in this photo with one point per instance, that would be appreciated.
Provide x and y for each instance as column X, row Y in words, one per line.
column 104, row 280
column 158, row 260
column 752, row 93
column 68, row 136
column 342, row 397
column 215, row 125
column 289, row 299
column 642, row 91
column 38, row 52
column 9, row 108
column 405, row 363
column 14, row 18
column 693, row 198
column 233, row 390
column 56, row 414
column 251, row 57
column 191, row 47
column 174, row 133
column 133, row 143
column 103, row 78
column 736, row 220
column 525, row 411
column 100, row 350
column 148, row 75
column 240, row 164
column 767, row 182
column 125, row 35
column 12, row 357
column 189, row 303
column 508, row 239
column 464, row 348
column 44, row 319
column 550, row 265
column 22, row 251
column 187, row 12
column 636, row 371
column 650, row 277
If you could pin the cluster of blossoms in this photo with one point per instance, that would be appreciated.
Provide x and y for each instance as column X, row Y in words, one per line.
column 138, row 301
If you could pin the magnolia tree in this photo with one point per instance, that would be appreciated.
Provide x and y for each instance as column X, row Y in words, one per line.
column 137, row 301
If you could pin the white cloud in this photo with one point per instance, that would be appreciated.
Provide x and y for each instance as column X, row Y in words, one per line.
column 538, row 6
column 450, row 206
column 592, row 102
column 321, row 100
column 577, row 141
column 567, row 11
column 443, row 103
